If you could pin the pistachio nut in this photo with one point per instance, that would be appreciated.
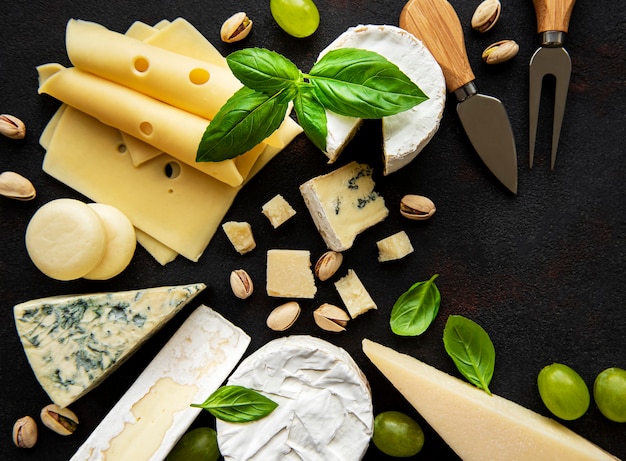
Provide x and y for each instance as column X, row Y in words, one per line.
column 501, row 51
column 241, row 283
column 12, row 127
column 331, row 318
column 328, row 264
column 486, row 15
column 284, row 316
column 236, row 28
column 61, row 420
column 25, row 432
column 417, row 207
column 16, row 186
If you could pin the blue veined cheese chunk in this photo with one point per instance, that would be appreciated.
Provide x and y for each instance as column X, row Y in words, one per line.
column 73, row 342
column 343, row 203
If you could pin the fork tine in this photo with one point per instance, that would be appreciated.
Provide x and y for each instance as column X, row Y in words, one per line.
column 560, row 97
column 536, row 79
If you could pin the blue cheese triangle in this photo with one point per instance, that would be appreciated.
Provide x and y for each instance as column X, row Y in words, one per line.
column 73, row 342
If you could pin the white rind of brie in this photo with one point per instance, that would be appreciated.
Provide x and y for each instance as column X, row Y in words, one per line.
column 407, row 133
column 324, row 404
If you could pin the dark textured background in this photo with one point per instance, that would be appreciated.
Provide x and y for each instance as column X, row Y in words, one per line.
column 543, row 272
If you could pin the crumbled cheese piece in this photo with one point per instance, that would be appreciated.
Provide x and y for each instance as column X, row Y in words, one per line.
column 278, row 210
column 240, row 235
column 396, row 246
column 354, row 295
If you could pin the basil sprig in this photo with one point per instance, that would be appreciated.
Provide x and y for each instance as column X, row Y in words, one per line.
column 471, row 349
column 237, row 404
column 349, row 81
column 415, row 309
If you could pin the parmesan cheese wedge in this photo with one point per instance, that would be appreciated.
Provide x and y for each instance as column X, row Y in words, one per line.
column 478, row 426
column 407, row 133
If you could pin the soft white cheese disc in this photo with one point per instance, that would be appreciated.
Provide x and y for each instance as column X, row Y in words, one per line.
column 324, row 404
column 407, row 133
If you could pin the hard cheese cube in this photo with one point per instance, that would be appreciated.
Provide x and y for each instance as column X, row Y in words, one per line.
column 289, row 274
column 278, row 210
column 240, row 235
column 396, row 246
column 354, row 295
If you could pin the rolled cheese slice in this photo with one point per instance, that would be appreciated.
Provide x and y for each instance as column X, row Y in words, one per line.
column 120, row 242
column 161, row 125
column 407, row 133
column 324, row 404
column 194, row 85
column 65, row 239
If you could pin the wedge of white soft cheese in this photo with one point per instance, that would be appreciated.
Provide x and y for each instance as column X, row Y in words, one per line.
column 407, row 133
column 478, row 426
column 324, row 404
column 155, row 412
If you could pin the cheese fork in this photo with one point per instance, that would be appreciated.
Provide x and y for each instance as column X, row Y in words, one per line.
column 550, row 59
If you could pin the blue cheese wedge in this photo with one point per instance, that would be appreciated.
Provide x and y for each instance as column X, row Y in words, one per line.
column 478, row 426
column 343, row 203
column 324, row 404
column 146, row 423
column 73, row 342
column 407, row 133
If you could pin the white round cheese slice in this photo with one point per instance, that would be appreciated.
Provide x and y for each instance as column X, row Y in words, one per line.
column 407, row 133
column 120, row 245
column 324, row 404
column 65, row 239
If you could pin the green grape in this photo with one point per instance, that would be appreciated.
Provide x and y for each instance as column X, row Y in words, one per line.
column 563, row 391
column 299, row 18
column 609, row 392
column 196, row 445
column 397, row 434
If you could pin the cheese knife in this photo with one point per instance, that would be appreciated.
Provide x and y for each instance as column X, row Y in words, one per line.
column 484, row 118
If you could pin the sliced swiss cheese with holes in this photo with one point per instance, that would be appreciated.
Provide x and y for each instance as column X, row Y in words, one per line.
column 478, row 426
column 324, row 404
column 407, row 133
column 74, row 342
column 148, row 420
column 193, row 85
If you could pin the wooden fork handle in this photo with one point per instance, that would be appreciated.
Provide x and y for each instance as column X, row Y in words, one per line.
column 553, row 14
column 437, row 25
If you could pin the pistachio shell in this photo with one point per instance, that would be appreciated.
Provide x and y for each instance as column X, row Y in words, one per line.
column 501, row 51
column 417, row 207
column 331, row 318
column 284, row 316
column 486, row 15
column 16, row 186
column 328, row 264
column 61, row 420
column 12, row 127
column 236, row 28
column 25, row 432
column 241, row 283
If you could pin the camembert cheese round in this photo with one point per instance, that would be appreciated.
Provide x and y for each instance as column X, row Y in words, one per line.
column 324, row 404
column 407, row 133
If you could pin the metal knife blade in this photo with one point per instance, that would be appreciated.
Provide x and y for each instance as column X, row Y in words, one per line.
column 484, row 118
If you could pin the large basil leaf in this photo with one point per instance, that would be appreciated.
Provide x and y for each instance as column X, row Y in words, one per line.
column 237, row 404
column 246, row 119
column 415, row 309
column 311, row 116
column 364, row 84
column 263, row 70
column 471, row 349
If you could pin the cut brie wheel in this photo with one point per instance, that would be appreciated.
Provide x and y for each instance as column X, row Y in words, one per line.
column 407, row 133
column 324, row 404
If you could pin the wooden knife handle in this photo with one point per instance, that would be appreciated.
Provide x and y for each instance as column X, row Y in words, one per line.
column 437, row 25
column 553, row 14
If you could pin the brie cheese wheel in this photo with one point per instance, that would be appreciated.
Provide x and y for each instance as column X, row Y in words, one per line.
column 478, row 426
column 324, row 404
column 407, row 133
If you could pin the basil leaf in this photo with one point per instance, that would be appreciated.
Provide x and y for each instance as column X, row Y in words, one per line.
column 263, row 70
column 471, row 349
column 237, row 404
column 311, row 116
column 246, row 119
column 364, row 84
column 415, row 309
